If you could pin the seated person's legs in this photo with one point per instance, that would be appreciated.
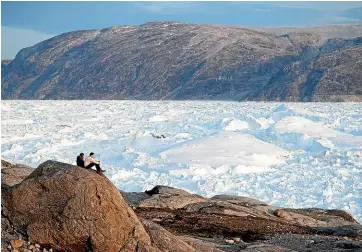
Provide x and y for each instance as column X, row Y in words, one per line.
column 90, row 165
column 98, row 167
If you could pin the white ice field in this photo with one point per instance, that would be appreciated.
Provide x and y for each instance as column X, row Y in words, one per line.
column 289, row 155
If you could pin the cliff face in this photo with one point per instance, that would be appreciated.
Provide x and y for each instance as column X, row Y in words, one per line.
column 170, row 60
column 331, row 72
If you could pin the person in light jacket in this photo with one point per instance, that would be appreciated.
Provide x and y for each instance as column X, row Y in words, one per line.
column 90, row 162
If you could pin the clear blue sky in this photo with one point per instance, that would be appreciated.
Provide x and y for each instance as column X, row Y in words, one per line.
column 27, row 23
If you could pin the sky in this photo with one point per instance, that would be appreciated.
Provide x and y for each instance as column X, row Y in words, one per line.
column 24, row 24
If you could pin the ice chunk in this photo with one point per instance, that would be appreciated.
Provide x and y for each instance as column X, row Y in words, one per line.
column 158, row 118
column 227, row 148
column 327, row 137
column 235, row 125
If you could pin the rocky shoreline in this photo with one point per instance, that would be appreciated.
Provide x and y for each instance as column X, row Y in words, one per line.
column 61, row 207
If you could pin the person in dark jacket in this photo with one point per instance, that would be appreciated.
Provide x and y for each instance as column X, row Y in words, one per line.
column 80, row 160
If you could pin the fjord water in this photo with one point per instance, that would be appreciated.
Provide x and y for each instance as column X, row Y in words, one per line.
column 286, row 154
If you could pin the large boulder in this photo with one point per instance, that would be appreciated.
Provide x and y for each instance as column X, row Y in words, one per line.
column 162, row 197
column 72, row 209
column 12, row 174
column 134, row 198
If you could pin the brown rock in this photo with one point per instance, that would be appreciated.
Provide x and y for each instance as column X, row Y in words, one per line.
column 266, row 248
column 236, row 239
column 162, row 197
column 229, row 208
column 250, row 219
column 315, row 217
column 7, row 233
column 24, row 250
column 200, row 245
column 239, row 200
column 134, row 198
column 16, row 243
column 332, row 217
column 353, row 231
column 229, row 241
column 146, row 248
column 12, row 174
column 133, row 246
column 72, row 209
column 164, row 240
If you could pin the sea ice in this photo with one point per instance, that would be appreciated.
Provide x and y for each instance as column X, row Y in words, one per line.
column 289, row 155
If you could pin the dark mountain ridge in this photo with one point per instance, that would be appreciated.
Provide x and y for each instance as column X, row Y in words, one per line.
column 177, row 61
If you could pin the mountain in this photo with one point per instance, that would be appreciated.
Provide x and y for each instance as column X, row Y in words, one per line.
column 173, row 60
column 346, row 31
column 4, row 63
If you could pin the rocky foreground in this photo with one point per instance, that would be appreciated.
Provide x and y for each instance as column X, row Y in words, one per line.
column 178, row 61
column 61, row 207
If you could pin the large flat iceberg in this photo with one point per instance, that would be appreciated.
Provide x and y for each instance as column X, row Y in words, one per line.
column 227, row 148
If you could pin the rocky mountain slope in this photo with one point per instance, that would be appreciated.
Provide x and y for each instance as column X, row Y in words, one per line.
column 172, row 60
column 346, row 31
column 5, row 62
column 61, row 207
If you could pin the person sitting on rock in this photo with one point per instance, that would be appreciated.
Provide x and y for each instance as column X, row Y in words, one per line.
column 90, row 162
column 80, row 160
